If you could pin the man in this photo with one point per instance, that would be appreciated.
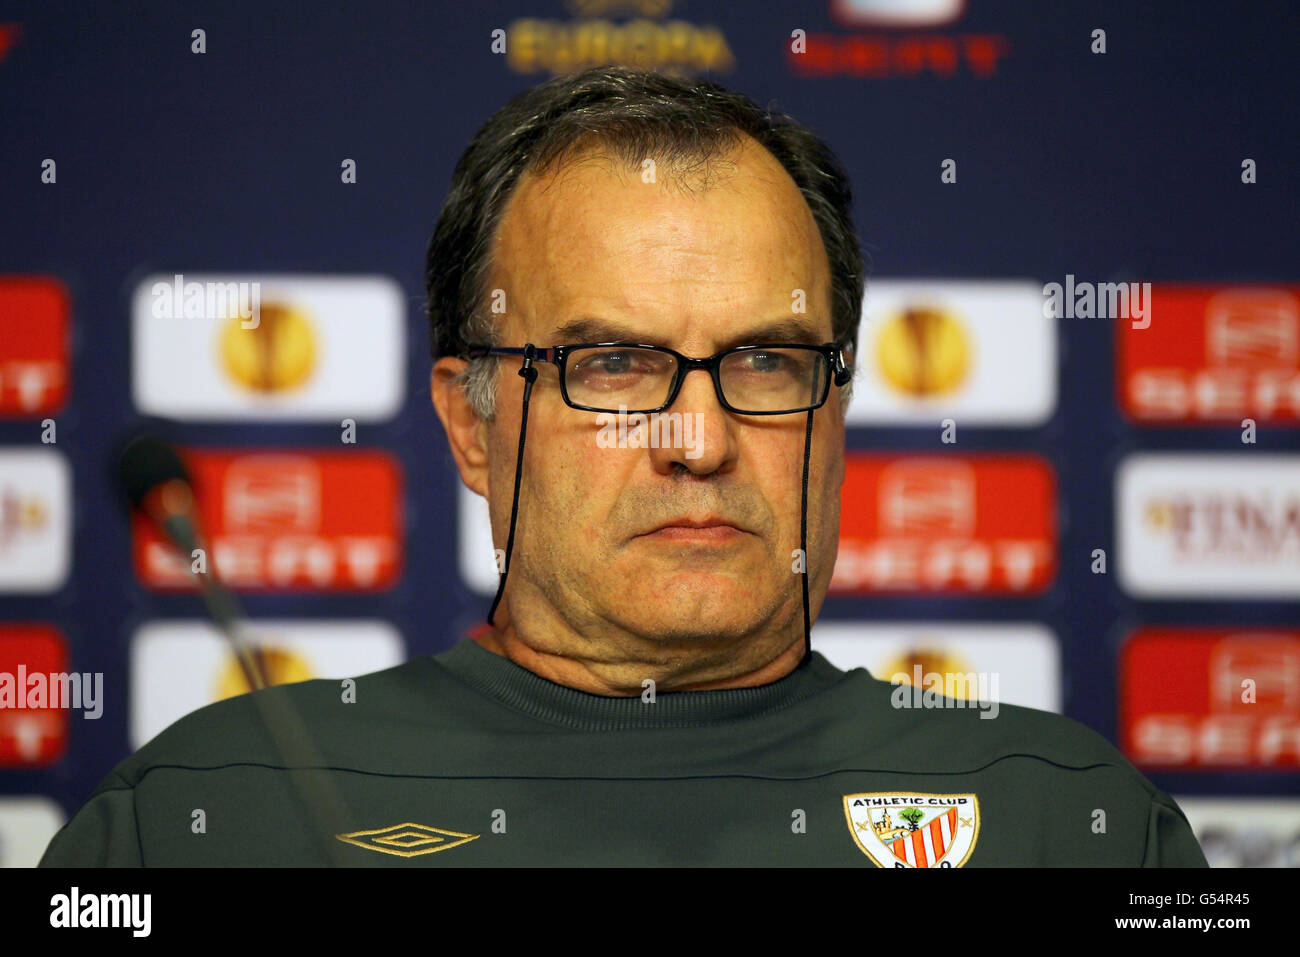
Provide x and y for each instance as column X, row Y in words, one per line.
column 646, row 693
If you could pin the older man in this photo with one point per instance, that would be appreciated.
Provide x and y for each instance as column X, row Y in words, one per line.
column 644, row 294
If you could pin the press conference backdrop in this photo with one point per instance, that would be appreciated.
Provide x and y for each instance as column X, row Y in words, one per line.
column 1073, row 457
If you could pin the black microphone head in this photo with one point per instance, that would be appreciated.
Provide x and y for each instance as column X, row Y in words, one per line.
column 147, row 462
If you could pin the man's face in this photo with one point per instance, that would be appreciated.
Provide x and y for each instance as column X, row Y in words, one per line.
column 592, row 573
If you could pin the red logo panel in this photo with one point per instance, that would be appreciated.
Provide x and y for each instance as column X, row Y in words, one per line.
column 30, row 736
column 984, row 524
column 1213, row 354
column 1211, row 698
column 33, row 346
column 286, row 520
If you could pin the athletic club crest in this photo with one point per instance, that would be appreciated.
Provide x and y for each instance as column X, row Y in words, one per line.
column 910, row 829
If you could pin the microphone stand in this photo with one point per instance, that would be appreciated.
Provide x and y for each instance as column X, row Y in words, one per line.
column 283, row 724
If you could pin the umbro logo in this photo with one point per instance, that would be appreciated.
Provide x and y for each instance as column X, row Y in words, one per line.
column 407, row 840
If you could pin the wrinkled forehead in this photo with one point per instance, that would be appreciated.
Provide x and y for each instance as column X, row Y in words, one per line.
column 603, row 235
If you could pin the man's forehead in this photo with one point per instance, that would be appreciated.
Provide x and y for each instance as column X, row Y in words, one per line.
column 593, row 239
column 792, row 330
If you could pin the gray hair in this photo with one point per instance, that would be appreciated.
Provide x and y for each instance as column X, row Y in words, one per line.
column 632, row 114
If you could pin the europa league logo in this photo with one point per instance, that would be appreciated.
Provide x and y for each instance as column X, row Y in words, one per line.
column 923, row 351
column 279, row 355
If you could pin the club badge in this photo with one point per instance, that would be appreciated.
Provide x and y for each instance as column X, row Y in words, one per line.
column 911, row 829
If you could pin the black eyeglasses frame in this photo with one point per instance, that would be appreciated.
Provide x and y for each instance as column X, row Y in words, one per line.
column 832, row 352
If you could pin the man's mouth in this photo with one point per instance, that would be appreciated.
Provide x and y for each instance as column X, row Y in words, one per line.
column 704, row 530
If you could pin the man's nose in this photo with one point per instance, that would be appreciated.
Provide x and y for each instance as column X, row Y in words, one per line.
column 700, row 432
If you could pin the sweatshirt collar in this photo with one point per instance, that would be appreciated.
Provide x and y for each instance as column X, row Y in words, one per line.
column 518, row 688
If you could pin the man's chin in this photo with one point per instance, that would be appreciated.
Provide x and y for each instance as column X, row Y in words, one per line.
column 701, row 591
column 700, row 605
column 688, row 631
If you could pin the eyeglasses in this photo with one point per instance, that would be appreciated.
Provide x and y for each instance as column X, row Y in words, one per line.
column 749, row 380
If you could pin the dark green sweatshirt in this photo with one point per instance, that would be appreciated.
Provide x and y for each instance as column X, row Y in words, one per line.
column 466, row 759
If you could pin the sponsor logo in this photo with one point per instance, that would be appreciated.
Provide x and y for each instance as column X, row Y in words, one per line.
column 33, row 732
column 888, row 53
column 907, row 829
column 979, row 352
column 897, row 13
column 280, row 359
column 1246, row 832
column 923, row 351
column 34, row 364
column 407, row 840
column 1211, row 698
column 645, row 42
column 27, row 825
column 317, row 348
column 1205, row 524
column 477, row 557
column 287, row 521
column 1220, row 354
column 181, row 666
column 35, row 520
column 1025, row 656
column 947, row 523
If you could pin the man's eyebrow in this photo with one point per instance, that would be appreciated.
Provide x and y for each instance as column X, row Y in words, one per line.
column 791, row 331
column 777, row 331
column 588, row 329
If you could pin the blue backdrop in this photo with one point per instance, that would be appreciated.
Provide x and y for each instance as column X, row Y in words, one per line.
column 1117, row 166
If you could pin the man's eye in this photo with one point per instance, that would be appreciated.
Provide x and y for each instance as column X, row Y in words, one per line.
column 766, row 362
column 606, row 363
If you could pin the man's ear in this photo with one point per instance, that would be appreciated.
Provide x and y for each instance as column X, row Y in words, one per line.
column 466, row 432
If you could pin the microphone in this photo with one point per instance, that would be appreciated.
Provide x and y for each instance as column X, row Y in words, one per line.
column 157, row 484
